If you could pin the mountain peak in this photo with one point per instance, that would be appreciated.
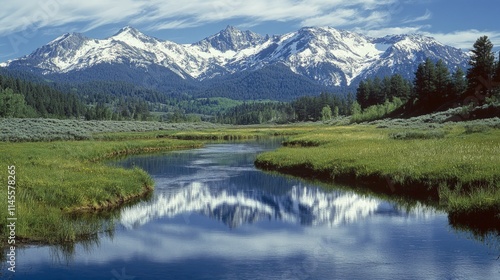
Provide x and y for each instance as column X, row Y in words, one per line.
column 132, row 37
column 128, row 30
column 231, row 39
column 231, row 28
column 67, row 41
column 73, row 36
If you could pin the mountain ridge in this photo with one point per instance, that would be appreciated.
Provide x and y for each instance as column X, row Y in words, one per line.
column 330, row 57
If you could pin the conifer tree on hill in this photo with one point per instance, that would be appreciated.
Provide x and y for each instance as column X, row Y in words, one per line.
column 482, row 68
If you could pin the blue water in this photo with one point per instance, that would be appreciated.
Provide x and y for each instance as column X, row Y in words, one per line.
column 214, row 216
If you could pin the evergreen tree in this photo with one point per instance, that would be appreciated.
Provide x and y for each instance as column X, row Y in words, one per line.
column 375, row 91
column 385, row 90
column 497, row 71
column 481, row 71
column 399, row 88
column 459, row 83
column 496, row 78
column 425, row 81
column 442, row 83
column 363, row 93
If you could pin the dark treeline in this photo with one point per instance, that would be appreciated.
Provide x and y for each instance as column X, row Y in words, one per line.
column 432, row 87
column 19, row 98
column 110, row 100
column 26, row 99
column 22, row 99
column 257, row 113
column 306, row 108
column 435, row 86
column 127, row 101
column 309, row 108
column 376, row 91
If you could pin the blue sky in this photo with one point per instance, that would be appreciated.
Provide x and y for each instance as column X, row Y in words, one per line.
column 28, row 24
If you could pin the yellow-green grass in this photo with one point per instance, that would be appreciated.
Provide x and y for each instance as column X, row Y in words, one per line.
column 460, row 169
column 56, row 179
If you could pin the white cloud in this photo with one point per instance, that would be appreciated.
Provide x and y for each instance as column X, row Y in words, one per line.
column 335, row 18
column 349, row 17
column 34, row 14
column 372, row 17
column 175, row 24
column 426, row 16
column 160, row 14
column 465, row 39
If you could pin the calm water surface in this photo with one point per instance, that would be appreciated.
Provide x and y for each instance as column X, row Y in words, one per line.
column 214, row 216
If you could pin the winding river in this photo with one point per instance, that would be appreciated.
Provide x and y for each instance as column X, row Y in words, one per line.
column 213, row 215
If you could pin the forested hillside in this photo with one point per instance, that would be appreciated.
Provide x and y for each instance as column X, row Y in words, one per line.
column 26, row 99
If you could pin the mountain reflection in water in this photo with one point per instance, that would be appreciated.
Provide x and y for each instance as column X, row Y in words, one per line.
column 305, row 205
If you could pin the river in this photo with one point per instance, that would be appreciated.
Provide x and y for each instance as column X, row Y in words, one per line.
column 213, row 215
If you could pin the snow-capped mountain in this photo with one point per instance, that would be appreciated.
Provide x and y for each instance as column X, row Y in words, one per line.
column 328, row 56
column 72, row 52
column 403, row 53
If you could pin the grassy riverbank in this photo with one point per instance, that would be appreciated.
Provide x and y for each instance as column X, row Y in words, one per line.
column 56, row 179
column 458, row 166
